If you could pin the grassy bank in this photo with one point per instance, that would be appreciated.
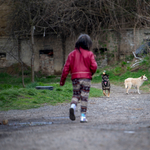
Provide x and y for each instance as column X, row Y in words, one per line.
column 121, row 71
column 13, row 96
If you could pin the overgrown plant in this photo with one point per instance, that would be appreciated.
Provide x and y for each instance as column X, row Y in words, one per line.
column 146, row 62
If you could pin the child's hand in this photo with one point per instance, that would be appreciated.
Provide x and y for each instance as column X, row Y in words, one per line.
column 61, row 83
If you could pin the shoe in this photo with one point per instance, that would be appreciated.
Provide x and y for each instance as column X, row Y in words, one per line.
column 71, row 114
column 83, row 118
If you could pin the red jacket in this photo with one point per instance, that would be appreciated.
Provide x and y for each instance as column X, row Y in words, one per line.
column 80, row 65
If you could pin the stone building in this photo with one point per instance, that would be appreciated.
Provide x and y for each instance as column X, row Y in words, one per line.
column 51, row 50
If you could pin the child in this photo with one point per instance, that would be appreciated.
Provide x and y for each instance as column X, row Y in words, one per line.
column 82, row 65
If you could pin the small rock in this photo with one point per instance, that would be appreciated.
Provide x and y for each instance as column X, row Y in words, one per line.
column 5, row 122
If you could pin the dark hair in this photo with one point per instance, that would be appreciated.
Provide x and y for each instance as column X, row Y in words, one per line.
column 84, row 41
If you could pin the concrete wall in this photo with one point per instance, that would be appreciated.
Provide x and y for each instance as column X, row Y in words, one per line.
column 9, row 48
column 70, row 45
column 128, row 44
column 43, row 43
column 130, row 41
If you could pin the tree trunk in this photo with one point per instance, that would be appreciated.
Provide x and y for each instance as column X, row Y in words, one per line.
column 22, row 70
column 32, row 50
column 22, row 67
column 63, row 47
column 119, row 43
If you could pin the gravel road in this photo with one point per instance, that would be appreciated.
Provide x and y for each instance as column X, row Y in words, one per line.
column 121, row 122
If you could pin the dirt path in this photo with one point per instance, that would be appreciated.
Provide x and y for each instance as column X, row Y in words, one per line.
column 121, row 122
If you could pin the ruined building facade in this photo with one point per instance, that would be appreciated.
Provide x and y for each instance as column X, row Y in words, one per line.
column 51, row 50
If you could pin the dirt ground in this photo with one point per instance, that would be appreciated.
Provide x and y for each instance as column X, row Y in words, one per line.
column 121, row 122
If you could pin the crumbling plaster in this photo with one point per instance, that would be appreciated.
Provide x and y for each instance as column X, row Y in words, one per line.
column 129, row 41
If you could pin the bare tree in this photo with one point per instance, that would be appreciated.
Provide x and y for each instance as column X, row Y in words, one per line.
column 69, row 18
column 25, row 15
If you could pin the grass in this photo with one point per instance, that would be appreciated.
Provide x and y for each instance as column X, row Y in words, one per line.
column 13, row 96
column 118, row 73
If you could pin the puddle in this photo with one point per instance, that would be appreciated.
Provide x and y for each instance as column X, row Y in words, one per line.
column 29, row 123
column 131, row 132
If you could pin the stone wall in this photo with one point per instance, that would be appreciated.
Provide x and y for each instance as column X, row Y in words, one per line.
column 129, row 40
column 53, row 64
column 8, row 52
column 44, row 43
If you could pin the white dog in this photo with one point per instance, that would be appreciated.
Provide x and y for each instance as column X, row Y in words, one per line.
column 136, row 82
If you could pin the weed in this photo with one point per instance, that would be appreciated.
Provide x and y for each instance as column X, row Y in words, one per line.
column 128, row 68
column 146, row 62
column 59, row 89
column 129, row 57
column 123, row 63
column 97, row 71
column 117, row 70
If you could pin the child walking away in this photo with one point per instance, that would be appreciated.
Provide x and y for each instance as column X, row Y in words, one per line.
column 82, row 65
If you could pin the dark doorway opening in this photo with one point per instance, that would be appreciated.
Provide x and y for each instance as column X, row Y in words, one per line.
column 46, row 61
column 99, row 51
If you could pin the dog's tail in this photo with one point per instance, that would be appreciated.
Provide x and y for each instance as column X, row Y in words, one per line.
column 125, row 83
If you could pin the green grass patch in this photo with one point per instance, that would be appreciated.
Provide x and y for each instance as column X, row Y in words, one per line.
column 118, row 73
column 94, row 92
column 30, row 97
column 14, row 96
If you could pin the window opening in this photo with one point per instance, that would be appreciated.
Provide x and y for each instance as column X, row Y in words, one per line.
column 48, row 52
column 2, row 55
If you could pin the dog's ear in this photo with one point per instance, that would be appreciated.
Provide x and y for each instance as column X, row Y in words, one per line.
column 107, row 75
column 141, row 77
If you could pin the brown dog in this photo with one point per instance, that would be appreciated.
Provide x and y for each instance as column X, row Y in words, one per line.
column 105, row 84
column 135, row 82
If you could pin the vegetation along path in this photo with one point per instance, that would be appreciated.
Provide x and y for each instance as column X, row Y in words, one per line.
column 120, row 122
